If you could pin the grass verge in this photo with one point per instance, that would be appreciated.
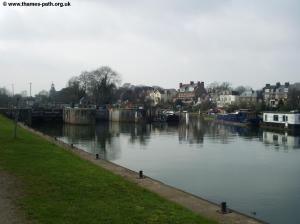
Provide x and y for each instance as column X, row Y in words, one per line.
column 59, row 187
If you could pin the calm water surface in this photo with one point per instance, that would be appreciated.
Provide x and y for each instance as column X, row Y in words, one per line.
column 254, row 171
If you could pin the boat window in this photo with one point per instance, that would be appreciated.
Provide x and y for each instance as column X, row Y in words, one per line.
column 275, row 117
column 284, row 118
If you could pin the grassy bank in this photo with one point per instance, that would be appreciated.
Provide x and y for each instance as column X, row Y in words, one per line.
column 59, row 187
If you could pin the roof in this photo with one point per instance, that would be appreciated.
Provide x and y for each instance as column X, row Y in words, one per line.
column 281, row 112
column 249, row 93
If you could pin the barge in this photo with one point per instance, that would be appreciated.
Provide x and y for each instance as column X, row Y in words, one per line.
column 281, row 120
column 239, row 118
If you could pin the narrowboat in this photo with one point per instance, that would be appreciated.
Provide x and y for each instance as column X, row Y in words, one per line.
column 239, row 118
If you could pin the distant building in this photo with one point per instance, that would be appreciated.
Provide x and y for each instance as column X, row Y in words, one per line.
column 192, row 92
column 153, row 96
column 168, row 95
column 249, row 97
column 214, row 96
column 52, row 91
column 273, row 94
column 295, row 86
column 228, row 98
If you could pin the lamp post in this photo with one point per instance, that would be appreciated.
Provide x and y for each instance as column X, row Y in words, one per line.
column 30, row 84
column 16, row 118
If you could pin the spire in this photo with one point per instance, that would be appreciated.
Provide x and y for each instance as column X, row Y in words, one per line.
column 52, row 90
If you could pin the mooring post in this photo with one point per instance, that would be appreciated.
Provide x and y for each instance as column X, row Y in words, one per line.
column 141, row 175
column 223, row 207
column 97, row 156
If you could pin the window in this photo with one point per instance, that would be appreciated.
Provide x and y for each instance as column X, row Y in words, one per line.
column 284, row 118
column 266, row 117
column 275, row 117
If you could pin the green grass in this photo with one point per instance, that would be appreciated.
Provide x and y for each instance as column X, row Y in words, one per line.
column 59, row 187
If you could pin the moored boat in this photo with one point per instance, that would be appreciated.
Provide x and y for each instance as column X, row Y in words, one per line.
column 167, row 116
column 281, row 120
column 240, row 118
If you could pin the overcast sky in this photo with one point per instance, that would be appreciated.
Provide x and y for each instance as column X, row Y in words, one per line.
column 152, row 42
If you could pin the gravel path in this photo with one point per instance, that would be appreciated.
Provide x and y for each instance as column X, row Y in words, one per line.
column 9, row 212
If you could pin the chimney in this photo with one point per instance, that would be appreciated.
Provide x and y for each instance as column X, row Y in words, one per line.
column 180, row 85
column 287, row 84
column 202, row 84
column 192, row 82
column 277, row 84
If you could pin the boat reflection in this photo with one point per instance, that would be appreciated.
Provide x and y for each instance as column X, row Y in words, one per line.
column 283, row 140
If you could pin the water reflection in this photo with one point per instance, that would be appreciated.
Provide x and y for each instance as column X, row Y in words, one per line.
column 282, row 140
column 138, row 133
column 75, row 133
column 100, row 138
column 192, row 133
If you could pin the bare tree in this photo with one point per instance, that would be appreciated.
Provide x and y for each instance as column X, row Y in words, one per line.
column 99, row 84
column 217, row 87
column 241, row 89
column 84, row 80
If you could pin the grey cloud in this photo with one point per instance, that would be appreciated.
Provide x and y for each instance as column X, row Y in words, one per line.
column 153, row 42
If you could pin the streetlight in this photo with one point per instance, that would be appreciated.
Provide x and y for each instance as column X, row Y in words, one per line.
column 30, row 89
column 16, row 118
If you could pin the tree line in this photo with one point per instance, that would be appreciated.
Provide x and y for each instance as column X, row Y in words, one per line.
column 102, row 86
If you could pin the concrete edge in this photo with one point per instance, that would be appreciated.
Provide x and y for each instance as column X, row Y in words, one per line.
column 192, row 202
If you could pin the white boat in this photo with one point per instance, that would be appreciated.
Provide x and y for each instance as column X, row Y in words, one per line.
column 283, row 120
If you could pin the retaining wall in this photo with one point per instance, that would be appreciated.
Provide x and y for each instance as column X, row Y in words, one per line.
column 82, row 116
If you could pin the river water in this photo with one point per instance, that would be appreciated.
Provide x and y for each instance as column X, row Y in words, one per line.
column 256, row 172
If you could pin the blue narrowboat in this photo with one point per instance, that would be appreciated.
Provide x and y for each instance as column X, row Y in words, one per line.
column 244, row 118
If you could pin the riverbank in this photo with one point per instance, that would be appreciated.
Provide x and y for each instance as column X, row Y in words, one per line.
column 194, row 203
